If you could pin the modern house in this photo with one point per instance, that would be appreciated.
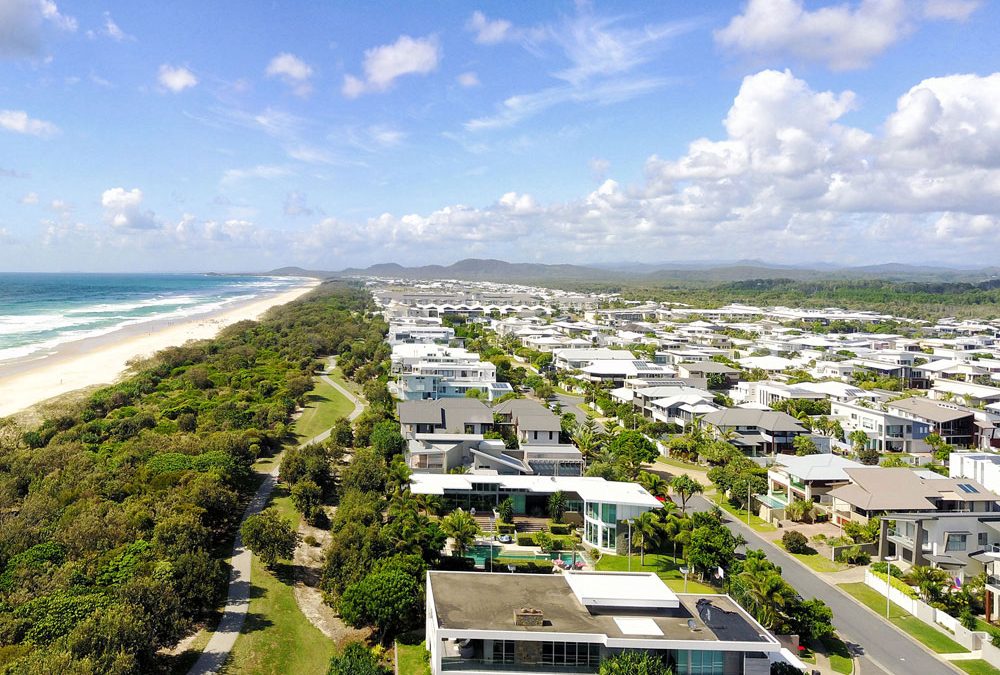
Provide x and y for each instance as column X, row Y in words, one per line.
column 430, row 371
column 537, row 430
column 603, row 506
column 449, row 434
column 878, row 491
column 577, row 359
column 756, row 432
column 953, row 423
column 478, row 622
column 886, row 432
column 808, row 478
column 413, row 331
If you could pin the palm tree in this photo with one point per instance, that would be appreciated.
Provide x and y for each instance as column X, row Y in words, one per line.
column 765, row 593
column 586, row 440
column 462, row 528
column 430, row 504
column 648, row 530
column 654, row 484
column 685, row 487
column 677, row 529
column 800, row 511
column 930, row 580
column 557, row 506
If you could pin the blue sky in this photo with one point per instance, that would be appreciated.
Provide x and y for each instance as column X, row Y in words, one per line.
column 248, row 135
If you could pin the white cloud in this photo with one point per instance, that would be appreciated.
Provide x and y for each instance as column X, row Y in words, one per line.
column 112, row 30
column 953, row 10
column 384, row 64
column 599, row 168
column 489, row 32
column 122, row 210
column 259, row 172
column 386, row 137
column 19, row 122
column 468, row 79
column 787, row 175
column 176, row 78
column 603, row 56
column 30, row 198
column 293, row 71
column 22, row 23
column 844, row 36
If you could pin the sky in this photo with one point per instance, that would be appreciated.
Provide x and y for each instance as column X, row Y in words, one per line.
column 248, row 135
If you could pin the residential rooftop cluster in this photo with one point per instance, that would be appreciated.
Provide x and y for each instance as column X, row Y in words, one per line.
column 881, row 428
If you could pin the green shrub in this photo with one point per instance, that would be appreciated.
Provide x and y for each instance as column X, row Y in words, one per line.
column 795, row 542
column 526, row 539
column 898, row 584
column 560, row 528
column 522, row 566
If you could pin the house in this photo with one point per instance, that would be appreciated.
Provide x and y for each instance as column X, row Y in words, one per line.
column 713, row 372
column 576, row 359
column 412, row 331
column 532, row 422
column 960, row 542
column 966, row 393
column 886, row 432
column 808, row 478
column 430, row 371
column 449, row 433
column 618, row 371
column 953, row 423
column 757, row 432
column 879, row 491
column 602, row 506
column 478, row 622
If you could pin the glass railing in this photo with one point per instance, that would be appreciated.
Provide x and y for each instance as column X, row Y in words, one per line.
column 458, row 664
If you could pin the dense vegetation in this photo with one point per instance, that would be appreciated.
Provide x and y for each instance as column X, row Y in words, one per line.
column 115, row 514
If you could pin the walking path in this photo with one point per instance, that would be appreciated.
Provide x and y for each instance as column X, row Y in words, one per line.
column 221, row 643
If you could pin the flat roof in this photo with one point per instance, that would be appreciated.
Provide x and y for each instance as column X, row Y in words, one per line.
column 486, row 602
column 602, row 589
column 590, row 488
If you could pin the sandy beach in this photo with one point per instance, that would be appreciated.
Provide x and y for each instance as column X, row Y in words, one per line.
column 102, row 360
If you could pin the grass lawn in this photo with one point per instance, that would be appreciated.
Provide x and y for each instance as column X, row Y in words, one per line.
column 663, row 565
column 976, row 667
column 337, row 375
column 932, row 638
column 324, row 405
column 839, row 655
column 276, row 630
column 412, row 659
column 815, row 561
column 670, row 461
column 757, row 524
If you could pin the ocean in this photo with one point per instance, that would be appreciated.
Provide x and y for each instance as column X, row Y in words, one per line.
column 38, row 312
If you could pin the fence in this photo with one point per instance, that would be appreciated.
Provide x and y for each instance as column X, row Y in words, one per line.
column 870, row 548
column 935, row 618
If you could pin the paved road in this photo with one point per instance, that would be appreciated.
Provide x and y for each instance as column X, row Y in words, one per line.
column 570, row 403
column 221, row 643
column 883, row 648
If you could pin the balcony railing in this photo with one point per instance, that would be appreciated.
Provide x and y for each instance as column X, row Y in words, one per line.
column 458, row 664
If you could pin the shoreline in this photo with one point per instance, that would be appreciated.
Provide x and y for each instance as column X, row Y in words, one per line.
column 103, row 359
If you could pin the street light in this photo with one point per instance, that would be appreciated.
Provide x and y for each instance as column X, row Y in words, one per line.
column 888, row 581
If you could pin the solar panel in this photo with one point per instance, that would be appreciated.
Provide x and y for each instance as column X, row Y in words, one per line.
column 968, row 489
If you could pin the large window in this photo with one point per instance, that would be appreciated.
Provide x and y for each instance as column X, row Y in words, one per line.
column 592, row 510
column 956, row 542
column 503, row 651
column 570, row 654
column 609, row 513
column 699, row 662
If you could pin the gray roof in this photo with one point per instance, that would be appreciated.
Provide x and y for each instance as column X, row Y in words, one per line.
column 769, row 420
column 900, row 489
column 929, row 410
column 450, row 413
column 529, row 415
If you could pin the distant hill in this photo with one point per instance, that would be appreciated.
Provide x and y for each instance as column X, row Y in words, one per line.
column 476, row 269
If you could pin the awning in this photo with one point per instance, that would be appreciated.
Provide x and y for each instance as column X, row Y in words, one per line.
column 946, row 561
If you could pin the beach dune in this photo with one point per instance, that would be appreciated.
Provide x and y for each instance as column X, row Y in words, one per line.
column 103, row 360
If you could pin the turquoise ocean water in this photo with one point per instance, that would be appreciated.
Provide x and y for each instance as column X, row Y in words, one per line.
column 38, row 312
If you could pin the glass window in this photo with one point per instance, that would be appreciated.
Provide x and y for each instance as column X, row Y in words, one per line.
column 609, row 513
column 956, row 542
column 982, row 539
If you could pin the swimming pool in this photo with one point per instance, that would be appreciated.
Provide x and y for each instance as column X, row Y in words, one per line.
column 771, row 502
column 481, row 554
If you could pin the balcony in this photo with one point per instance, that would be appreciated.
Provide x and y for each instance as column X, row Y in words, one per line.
column 458, row 664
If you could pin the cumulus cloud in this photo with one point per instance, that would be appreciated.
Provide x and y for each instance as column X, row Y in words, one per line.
column 111, row 30
column 22, row 23
column 844, row 36
column 489, row 32
column 123, row 210
column 468, row 79
column 788, row 174
column 293, row 71
column 385, row 64
column 176, row 78
column 19, row 122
